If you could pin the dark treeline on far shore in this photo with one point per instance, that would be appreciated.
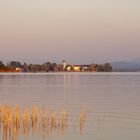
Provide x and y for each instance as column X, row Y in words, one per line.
column 15, row 66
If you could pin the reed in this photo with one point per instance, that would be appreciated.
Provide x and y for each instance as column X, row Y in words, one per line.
column 16, row 116
column 34, row 118
column 53, row 120
column 44, row 119
column 0, row 111
column 64, row 116
column 6, row 116
column 82, row 120
column 26, row 122
column 15, row 121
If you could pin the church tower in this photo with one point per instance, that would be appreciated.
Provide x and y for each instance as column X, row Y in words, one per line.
column 64, row 64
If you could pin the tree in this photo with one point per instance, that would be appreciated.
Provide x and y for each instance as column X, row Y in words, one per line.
column 54, row 67
column 1, row 63
column 15, row 64
column 108, row 67
column 59, row 67
column 92, row 67
column 47, row 66
column 25, row 67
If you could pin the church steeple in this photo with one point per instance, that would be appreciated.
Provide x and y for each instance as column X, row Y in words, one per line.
column 64, row 64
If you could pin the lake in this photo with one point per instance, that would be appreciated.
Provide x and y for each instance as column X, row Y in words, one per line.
column 100, row 106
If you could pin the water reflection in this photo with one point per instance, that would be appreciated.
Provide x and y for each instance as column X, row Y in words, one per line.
column 16, row 122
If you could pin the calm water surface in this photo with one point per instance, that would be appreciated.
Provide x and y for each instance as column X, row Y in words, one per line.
column 111, row 102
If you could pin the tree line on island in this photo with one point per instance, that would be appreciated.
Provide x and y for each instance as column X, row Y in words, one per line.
column 15, row 66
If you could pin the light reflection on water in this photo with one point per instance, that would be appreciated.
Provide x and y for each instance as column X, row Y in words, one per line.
column 111, row 102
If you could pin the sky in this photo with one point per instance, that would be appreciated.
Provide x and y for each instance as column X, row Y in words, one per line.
column 78, row 31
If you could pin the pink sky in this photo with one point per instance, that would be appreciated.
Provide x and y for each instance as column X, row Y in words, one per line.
column 79, row 31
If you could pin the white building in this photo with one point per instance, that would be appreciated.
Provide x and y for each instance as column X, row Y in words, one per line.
column 64, row 64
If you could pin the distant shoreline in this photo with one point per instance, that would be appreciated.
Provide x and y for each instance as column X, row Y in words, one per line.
column 15, row 66
column 45, row 73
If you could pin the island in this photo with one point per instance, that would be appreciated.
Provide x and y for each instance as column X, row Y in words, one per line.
column 16, row 66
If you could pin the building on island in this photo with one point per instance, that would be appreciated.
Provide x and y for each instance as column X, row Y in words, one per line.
column 76, row 68
column 64, row 64
column 17, row 69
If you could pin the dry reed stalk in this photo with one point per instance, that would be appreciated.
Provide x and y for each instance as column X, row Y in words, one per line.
column 16, row 117
column 53, row 120
column 34, row 119
column 12, row 121
column 44, row 120
column 63, row 120
column 7, row 116
column 26, row 122
column 82, row 119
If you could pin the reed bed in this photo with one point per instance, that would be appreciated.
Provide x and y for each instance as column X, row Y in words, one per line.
column 16, row 121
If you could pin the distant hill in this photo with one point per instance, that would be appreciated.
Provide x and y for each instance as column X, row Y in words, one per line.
column 136, row 61
column 133, row 65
